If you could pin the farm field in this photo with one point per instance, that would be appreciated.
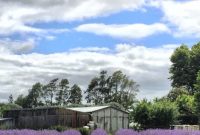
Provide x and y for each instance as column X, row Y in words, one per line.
column 99, row 132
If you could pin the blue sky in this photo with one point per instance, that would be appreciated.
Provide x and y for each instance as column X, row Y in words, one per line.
column 62, row 42
column 76, row 39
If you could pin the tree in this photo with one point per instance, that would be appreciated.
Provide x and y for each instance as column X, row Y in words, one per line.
column 176, row 92
column 123, row 89
column 156, row 114
column 10, row 99
column 197, row 97
column 63, row 93
column 186, row 109
column 163, row 114
column 93, row 95
column 4, row 106
column 180, row 69
column 195, row 64
column 49, row 91
column 76, row 95
column 22, row 101
column 34, row 96
column 141, row 113
column 115, row 88
column 185, row 66
column 197, row 105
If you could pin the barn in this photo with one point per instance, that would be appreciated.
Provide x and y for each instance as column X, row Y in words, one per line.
column 106, row 117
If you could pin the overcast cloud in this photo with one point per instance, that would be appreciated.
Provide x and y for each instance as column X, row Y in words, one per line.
column 147, row 66
column 20, row 66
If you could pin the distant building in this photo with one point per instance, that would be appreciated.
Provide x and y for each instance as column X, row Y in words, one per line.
column 106, row 117
column 185, row 127
column 6, row 123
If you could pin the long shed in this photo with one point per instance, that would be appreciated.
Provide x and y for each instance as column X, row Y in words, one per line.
column 106, row 117
column 47, row 117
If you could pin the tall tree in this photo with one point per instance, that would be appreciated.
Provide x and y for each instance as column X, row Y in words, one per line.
column 123, row 89
column 76, row 95
column 185, row 66
column 99, row 89
column 195, row 63
column 34, row 96
column 63, row 93
column 49, row 91
column 180, row 69
column 116, row 88
column 176, row 92
column 22, row 101
column 197, row 97
column 10, row 99
column 92, row 93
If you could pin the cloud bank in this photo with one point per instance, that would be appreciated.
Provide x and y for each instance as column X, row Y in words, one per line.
column 124, row 31
column 147, row 66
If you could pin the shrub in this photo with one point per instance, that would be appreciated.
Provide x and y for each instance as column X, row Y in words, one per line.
column 84, row 131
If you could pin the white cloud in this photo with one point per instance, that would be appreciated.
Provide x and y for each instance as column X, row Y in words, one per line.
column 147, row 66
column 128, row 31
column 182, row 16
column 19, row 47
column 17, row 16
column 91, row 49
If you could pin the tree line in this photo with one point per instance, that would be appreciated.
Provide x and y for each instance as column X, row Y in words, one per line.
column 102, row 89
column 55, row 92
column 182, row 104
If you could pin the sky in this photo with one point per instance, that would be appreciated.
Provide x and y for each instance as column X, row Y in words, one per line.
column 76, row 39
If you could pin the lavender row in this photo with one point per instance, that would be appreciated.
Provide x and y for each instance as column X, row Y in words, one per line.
column 99, row 132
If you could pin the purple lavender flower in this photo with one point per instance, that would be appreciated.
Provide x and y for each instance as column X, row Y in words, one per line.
column 71, row 132
column 126, row 132
column 99, row 132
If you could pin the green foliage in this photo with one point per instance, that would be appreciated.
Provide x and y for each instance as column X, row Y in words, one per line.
column 34, row 96
column 54, row 93
column 75, row 94
column 84, row 131
column 185, row 66
column 176, row 92
column 22, row 101
column 185, row 104
column 141, row 113
column 98, row 91
column 63, row 93
column 50, row 91
column 197, row 105
column 115, row 88
column 157, row 114
column 9, row 106
column 10, row 99
column 186, row 109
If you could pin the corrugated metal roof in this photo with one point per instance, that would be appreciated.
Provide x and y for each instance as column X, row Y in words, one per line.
column 88, row 109
column 2, row 119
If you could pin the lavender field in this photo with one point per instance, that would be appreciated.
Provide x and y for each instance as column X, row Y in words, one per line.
column 99, row 132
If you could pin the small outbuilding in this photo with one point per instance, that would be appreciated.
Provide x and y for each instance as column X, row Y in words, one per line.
column 106, row 117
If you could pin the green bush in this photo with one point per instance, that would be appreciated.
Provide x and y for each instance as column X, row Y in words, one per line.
column 84, row 131
column 156, row 114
